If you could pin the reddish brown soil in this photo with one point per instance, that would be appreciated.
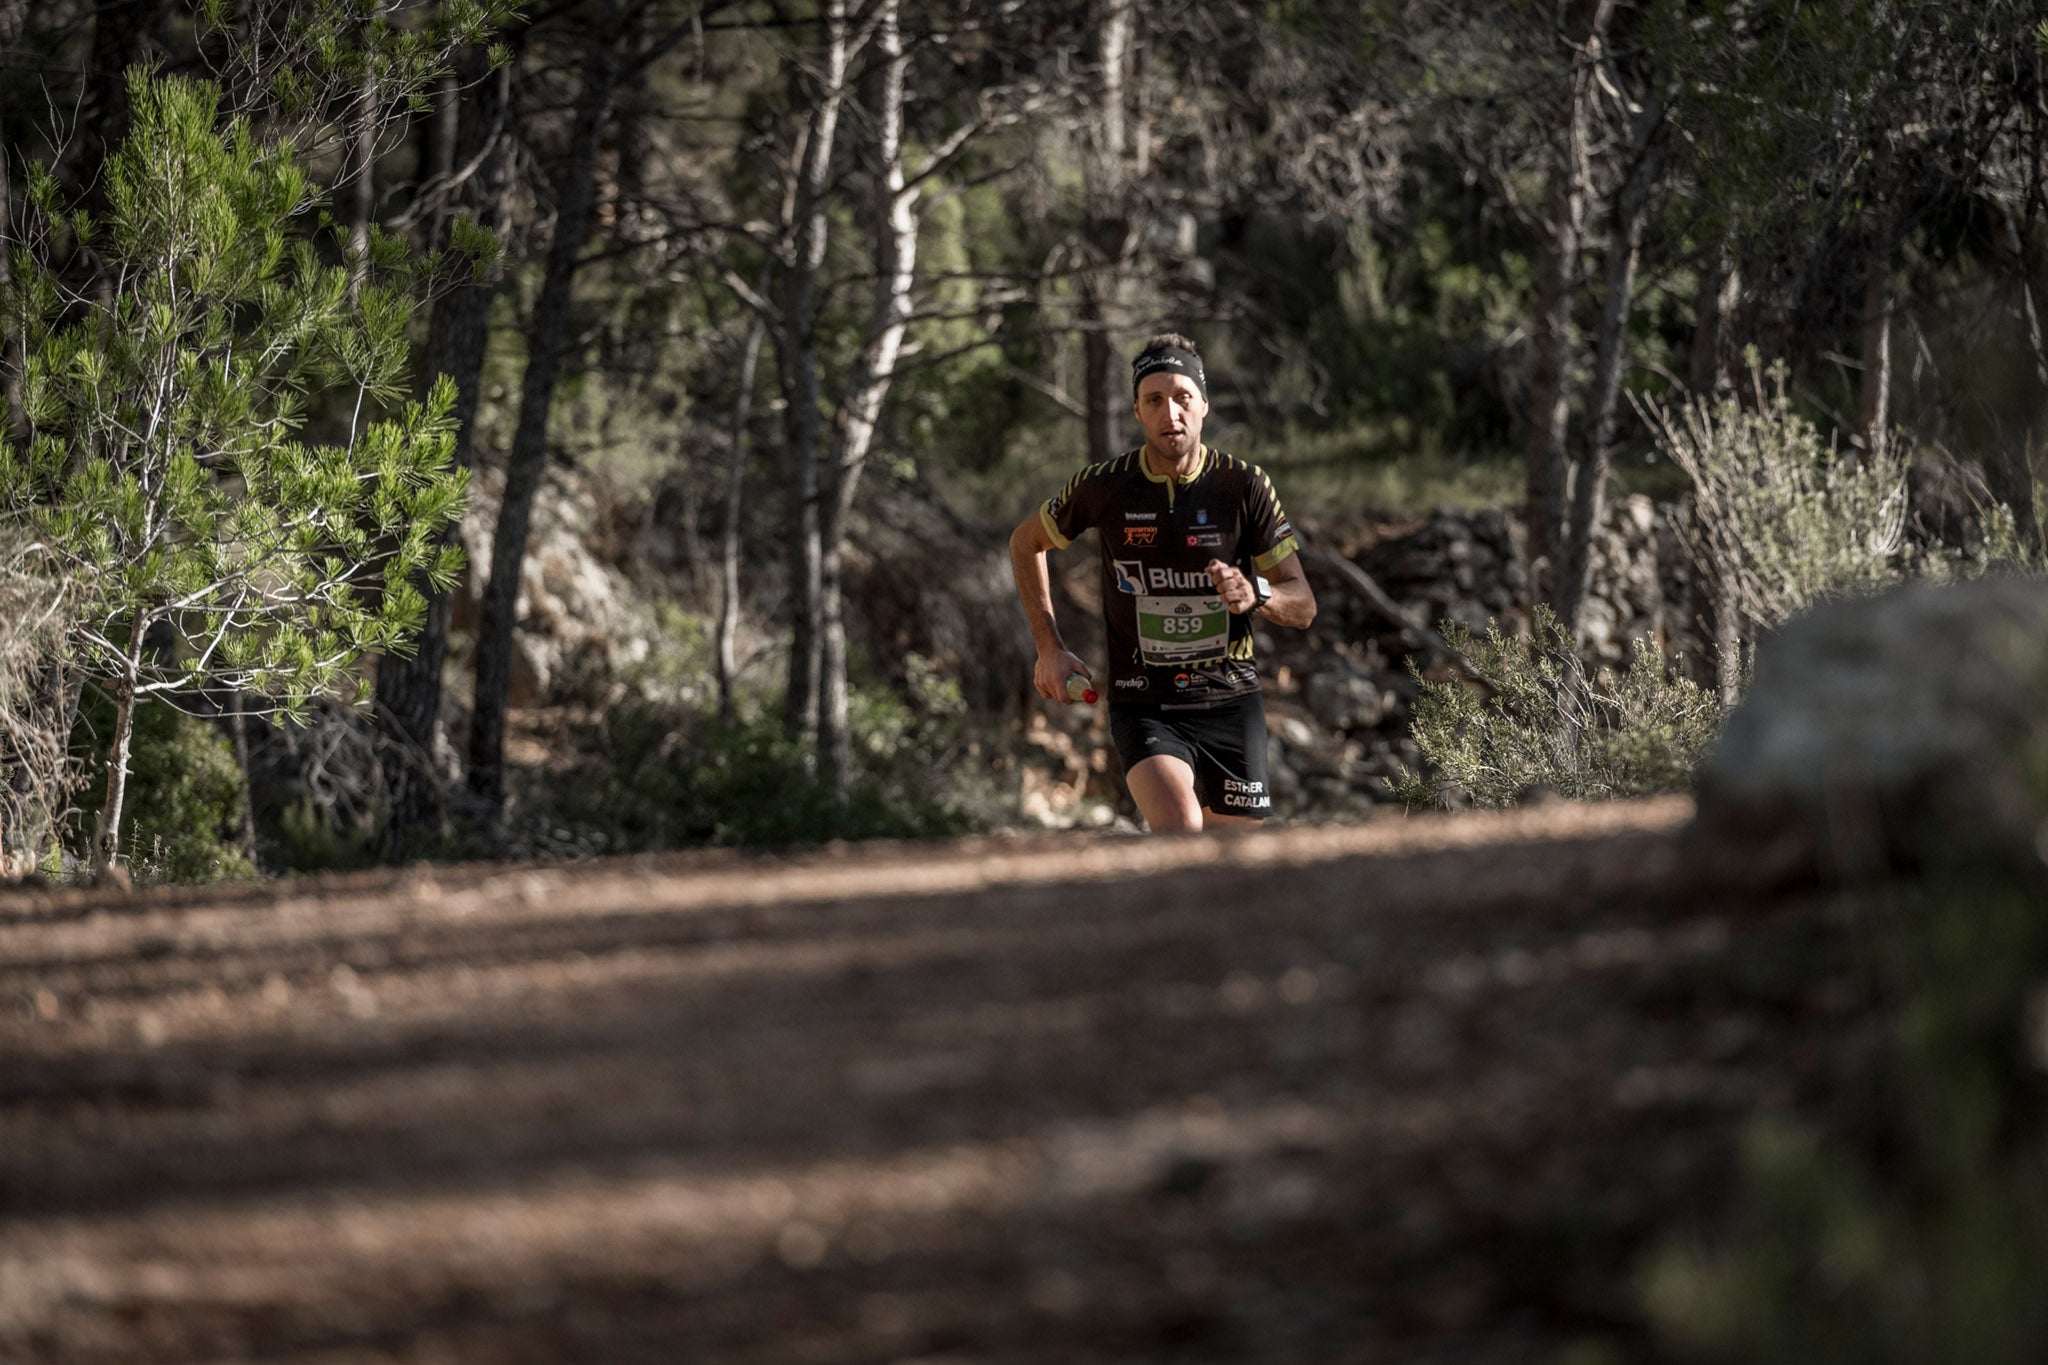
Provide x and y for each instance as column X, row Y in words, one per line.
column 1415, row 1090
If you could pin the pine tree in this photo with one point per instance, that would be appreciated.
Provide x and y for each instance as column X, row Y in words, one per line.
column 162, row 460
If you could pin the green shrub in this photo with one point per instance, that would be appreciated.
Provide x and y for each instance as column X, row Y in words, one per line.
column 664, row 779
column 1791, row 518
column 1548, row 722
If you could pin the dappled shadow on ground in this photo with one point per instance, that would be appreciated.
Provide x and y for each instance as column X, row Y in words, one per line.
column 1316, row 1096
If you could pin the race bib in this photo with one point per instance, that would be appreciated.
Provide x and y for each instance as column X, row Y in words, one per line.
column 1182, row 630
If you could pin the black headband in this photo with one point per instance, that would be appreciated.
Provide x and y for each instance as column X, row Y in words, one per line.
column 1173, row 360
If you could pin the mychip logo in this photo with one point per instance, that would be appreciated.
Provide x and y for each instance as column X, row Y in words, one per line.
column 1130, row 576
column 1131, row 684
column 1140, row 536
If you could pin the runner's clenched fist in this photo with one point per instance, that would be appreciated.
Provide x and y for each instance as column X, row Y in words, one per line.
column 1233, row 587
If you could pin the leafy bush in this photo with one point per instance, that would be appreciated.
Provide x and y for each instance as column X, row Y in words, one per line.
column 661, row 779
column 1789, row 517
column 1550, row 723
column 186, row 795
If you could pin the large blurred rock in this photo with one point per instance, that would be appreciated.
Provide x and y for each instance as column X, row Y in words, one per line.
column 1881, row 733
column 583, row 622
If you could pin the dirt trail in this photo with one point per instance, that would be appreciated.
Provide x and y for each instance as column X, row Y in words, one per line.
column 1412, row 1090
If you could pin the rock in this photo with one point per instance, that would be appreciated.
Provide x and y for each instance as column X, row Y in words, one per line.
column 1598, row 627
column 1946, row 504
column 583, row 621
column 1882, row 733
column 1342, row 695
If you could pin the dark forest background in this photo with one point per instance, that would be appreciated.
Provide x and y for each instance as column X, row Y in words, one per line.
column 811, row 301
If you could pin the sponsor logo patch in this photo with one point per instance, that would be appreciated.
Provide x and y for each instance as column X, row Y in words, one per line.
column 1141, row 516
column 1182, row 681
column 1212, row 540
column 1144, row 535
column 1131, row 684
column 1130, row 576
column 1201, row 518
column 1173, row 580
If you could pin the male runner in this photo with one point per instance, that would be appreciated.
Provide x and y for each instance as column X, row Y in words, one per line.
column 1194, row 543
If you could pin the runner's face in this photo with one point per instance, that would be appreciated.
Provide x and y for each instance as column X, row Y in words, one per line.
column 1171, row 409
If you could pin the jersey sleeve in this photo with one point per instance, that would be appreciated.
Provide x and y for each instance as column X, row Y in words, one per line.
column 1074, row 508
column 1268, row 532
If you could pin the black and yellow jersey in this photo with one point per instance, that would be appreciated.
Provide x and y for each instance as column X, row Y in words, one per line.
column 1171, row 639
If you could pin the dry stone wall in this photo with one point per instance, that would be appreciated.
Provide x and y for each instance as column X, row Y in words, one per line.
column 1339, row 695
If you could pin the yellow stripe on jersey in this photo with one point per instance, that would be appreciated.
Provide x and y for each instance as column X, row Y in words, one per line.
column 1052, row 528
column 1286, row 547
column 1115, row 465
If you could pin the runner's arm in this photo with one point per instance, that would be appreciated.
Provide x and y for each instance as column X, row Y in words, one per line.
column 1029, row 544
column 1293, row 602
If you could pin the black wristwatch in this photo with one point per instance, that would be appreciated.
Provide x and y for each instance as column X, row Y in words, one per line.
column 1262, row 591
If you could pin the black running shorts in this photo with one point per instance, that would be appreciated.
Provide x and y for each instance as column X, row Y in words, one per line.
column 1225, row 744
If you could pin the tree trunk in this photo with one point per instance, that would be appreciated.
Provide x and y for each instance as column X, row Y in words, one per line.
column 729, row 530
column 409, row 687
column 440, row 139
column 1624, row 254
column 547, row 334
column 361, row 200
column 1710, row 370
column 1106, row 231
column 867, row 388
column 1873, row 406
column 797, row 359
column 1547, row 458
column 1718, row 579
column 2011, row 471
column 238, row 723
column 107, row 840
column 13, row 14
column 118, row 30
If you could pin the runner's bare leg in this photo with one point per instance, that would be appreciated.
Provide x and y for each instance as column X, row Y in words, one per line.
column 1164, row 788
